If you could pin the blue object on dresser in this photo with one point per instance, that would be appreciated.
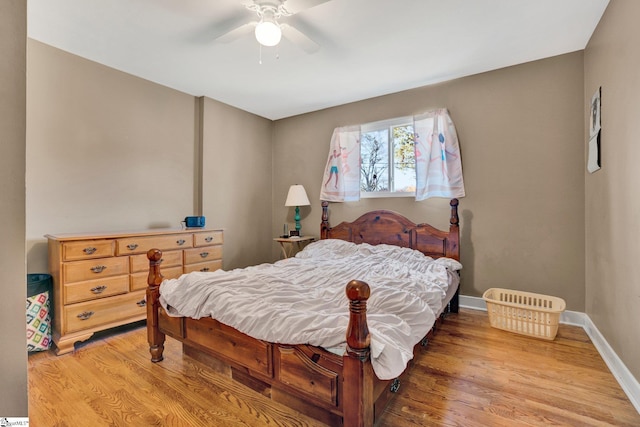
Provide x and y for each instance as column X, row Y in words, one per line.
column 194, row 221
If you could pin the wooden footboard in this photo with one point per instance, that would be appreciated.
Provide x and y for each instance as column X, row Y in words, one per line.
column 336, row 390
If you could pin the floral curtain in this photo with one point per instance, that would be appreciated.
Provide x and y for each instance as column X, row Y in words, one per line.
column 437, row 154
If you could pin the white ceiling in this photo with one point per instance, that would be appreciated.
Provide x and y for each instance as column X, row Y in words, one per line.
column 367, row 47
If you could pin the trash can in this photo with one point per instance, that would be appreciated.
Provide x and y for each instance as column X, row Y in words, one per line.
column 39, row 296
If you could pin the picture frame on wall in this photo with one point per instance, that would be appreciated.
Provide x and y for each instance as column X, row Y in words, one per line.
column 594, row 115
column 593, row 149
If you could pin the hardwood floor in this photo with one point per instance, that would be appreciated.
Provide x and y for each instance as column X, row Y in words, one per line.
column 470, row 375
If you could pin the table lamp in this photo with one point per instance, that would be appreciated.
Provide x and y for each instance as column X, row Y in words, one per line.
column 297, row 197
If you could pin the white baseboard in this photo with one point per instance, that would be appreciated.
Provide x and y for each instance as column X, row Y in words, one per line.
column 474, row 303
column 619, row 370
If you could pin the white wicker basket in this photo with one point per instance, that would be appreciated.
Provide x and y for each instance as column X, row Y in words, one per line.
column 524, row 313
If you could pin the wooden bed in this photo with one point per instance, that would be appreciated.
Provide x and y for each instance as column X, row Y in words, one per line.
column 337, row 390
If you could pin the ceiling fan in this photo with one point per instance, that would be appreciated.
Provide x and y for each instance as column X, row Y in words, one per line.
column 267, row 28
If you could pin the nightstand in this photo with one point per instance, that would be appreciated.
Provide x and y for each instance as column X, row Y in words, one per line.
column 291, row 245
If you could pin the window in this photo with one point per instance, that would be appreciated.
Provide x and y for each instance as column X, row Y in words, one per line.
column 387, row 159
column 409, row 156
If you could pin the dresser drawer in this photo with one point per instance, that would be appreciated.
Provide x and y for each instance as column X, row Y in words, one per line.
column 140, row 245
column 86, row 315
column 204, row 266
column 206, row 253
column 87, row 249
column 141, row 262
column 94, row 289
column 208, row 238
column 139, row 280
column 79, row 271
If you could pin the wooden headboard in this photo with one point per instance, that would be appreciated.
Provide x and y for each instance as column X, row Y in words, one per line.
column 388, row 227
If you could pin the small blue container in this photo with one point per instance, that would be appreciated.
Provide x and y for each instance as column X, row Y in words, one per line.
column 194, row 221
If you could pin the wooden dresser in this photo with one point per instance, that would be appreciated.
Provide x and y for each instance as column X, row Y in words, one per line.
column 99, row 280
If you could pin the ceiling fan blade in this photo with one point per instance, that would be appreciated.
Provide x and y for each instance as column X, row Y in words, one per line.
column 295, row 6
column 219, row 28
column 298, row 38
column 237, row 32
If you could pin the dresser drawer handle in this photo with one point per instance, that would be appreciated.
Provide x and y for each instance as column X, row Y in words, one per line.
column 181, row 242
column 204, row 269
column 208, row 239
column 89, row 250
column 98, row 268
column 141, row 303
column 85, row 315
column 204, row 254
column 132, row 246
column 99, row 289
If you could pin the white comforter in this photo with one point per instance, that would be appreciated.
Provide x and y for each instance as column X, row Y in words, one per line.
column 302, row 300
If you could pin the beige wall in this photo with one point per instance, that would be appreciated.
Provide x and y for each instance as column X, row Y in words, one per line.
column 13, row 361
column 236, row 181
column 521, row 135
column 106, row 151
column 612, row 61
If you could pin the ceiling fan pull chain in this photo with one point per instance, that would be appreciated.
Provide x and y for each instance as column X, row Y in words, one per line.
column 260, row 55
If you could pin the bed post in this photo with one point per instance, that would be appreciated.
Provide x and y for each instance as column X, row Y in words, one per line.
column 154, row 336
column 324, row 225
column 453, row 248
column 358, row 373
column 454, row 220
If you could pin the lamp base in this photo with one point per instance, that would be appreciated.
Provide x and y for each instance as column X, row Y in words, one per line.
column 297, row 218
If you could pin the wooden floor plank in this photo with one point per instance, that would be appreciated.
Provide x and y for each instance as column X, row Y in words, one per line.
column 469, row 375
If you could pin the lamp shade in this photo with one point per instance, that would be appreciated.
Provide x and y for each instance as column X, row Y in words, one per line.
column 297, row 196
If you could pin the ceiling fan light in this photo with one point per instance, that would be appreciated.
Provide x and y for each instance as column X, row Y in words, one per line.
column 268, row 33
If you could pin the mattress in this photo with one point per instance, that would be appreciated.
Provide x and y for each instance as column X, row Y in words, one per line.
column 302, row 300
